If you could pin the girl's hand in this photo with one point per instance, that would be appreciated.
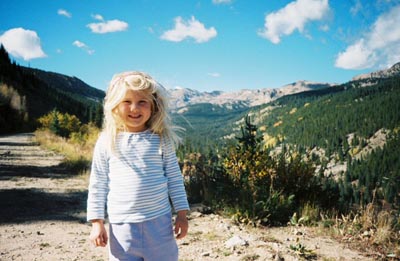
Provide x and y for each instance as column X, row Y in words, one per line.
column 98, row 235
column 181, row 224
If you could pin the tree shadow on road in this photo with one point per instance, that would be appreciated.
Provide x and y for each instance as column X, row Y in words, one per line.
column 23, row 163
column 10, row 171
column 19, row 205
column 25, row 205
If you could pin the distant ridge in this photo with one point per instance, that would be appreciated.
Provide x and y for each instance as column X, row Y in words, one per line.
column 246, row 98
column 181, row 97
column 392, row 71
column 67, row 84
column 27, row 94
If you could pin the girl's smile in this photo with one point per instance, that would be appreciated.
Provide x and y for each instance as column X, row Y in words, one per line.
column 134, row 110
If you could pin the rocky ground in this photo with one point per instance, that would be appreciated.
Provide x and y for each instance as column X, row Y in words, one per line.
column 43, row 218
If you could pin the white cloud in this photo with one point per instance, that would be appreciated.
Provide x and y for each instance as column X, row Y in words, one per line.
column 83, row 46
column 217, row 2
column 22, row 43
column 214, row 74
column 98, row 17
column 356, row 56
column 191, row 28
column 107, row 26
column 79, row 44
column 293, row 16
column 380, row 46
column 64, row 13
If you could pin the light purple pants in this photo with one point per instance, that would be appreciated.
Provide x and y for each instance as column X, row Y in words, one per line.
column 151, row 240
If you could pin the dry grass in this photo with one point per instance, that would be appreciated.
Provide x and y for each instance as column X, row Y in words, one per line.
column 372, row 229
column 369, row 228
column 78, row 152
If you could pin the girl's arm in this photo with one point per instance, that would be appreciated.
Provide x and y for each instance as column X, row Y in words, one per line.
column 176, row 188
column 98, row 235
column 181, row 224
column 98, row 184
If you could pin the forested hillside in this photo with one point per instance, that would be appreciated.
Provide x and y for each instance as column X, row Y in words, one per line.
column 325, row 119
column 328, row 155
column 205, row 123
column 27, row 94
column 341, row 123
column 350, row 133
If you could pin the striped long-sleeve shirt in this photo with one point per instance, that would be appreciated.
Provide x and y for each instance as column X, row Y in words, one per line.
column 136, row 181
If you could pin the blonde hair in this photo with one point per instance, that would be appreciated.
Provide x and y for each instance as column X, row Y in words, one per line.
column 159, row 122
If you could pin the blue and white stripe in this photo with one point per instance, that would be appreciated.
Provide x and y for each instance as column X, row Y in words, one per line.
column 136, row 181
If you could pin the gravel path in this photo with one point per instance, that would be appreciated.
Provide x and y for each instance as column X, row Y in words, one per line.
column 43, row 218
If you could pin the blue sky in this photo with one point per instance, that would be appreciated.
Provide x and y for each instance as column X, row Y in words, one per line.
column 204, row 45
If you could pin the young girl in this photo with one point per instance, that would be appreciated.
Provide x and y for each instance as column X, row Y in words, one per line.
column 135, row 172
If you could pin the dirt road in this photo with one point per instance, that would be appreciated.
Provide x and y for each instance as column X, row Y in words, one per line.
column 43, row 218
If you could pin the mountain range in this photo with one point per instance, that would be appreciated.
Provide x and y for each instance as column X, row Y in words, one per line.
column 182, row 98
column 381, row 74
column 208, row 116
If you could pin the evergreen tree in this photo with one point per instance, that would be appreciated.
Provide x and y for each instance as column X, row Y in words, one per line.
column 98, row 118
column 249, row 140
column 55, row 123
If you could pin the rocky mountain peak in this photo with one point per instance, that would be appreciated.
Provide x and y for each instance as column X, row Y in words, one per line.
column 392, row 71
column 182, row 97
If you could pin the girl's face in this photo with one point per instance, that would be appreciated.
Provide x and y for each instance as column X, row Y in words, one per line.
column 134, row 110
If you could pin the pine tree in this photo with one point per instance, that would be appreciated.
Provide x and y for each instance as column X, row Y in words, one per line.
column 249, row 140
column 55, row 123
column 98, row 118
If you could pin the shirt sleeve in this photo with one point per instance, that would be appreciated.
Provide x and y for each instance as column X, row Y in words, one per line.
column 176, row 188
column 98, row 182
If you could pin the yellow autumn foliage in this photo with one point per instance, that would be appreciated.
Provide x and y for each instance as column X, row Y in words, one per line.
column 354, row 151
column 276, row 124
column 263, row 128
column 269, row 141
column 67, row 123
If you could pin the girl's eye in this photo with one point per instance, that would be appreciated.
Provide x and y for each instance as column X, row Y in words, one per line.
column 143, row 102
column 126, row 102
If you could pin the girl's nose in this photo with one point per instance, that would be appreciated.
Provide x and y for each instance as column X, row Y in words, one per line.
column 133, row 106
